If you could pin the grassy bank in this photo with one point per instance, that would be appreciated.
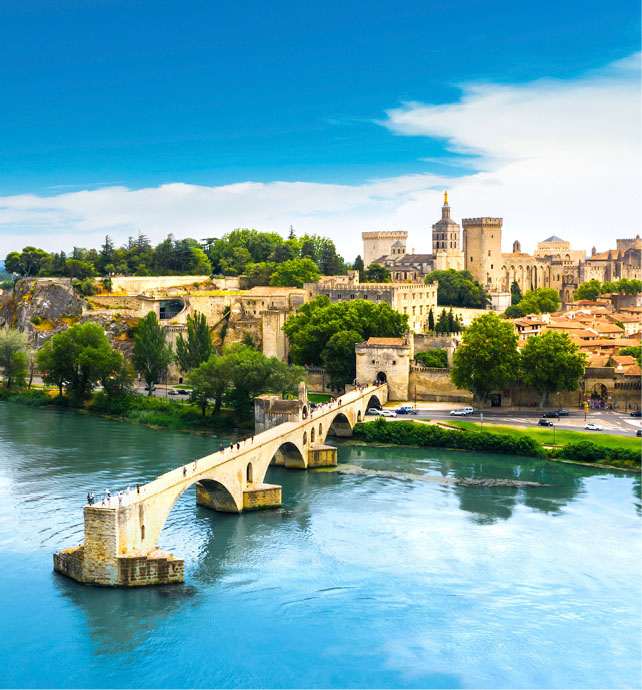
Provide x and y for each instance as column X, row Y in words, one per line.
column 577, row 449
column 155, row 412
column 545, row 435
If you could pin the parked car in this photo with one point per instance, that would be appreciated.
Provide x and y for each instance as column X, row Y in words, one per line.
column 638, row 432
column 388, row 413
column 593, row 427
column 551, row 415
column 544, row 422
column 373, row 411
column 462, row 411
column 562, row 412
column 636, row 413
column 153, row 388
column 173, row 391
column 406, row 409
column 182, row 391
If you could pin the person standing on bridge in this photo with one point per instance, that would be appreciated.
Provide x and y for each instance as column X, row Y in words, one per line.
column 195, row 461
column 238, row 446
column 221, row 448
column 90, row 498
column 184, row 471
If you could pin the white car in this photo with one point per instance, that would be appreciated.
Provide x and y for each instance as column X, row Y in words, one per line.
column 388, row 413
column 593, row 427
column 373, row 411
column 462, row 412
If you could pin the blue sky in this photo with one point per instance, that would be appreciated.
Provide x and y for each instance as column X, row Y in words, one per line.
column 136, row 95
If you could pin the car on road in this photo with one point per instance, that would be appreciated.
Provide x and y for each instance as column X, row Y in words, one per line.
column 173, row 391
column 544, row 422
column 388, row 413
column 182, row 391
column 461, row 412
column 638, row 432
column 562, row 412
column 636, row 413
column 406, row 409
column 147, row 388
column 551, row 415
column 373, row 411
column 593, row 427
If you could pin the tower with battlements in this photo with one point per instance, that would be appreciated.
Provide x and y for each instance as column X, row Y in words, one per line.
column 379, row 243
column 483, row 251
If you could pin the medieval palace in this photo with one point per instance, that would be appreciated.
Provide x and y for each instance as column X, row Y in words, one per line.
column 478, row 250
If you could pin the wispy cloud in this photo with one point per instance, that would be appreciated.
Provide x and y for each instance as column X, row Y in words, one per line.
column 550, row 156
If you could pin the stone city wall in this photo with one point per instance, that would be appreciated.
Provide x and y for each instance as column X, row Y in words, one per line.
column 434, row 384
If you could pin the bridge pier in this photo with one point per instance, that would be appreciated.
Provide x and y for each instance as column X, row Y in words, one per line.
column 255, row 497
column 322, row 456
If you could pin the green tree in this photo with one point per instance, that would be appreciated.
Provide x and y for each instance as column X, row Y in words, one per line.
column 540, row 300
column 431, row 320
column 514, row 312
column 13, row 356
column 80, row 356
column 551, row 362
column 376, row 273
column 487, row 359
column 515, row 293
column 437, row 358
column 118, row 381
column 260, row 273
column 152, row 354
column 251, row 373
column 209, row 381
column 339, row 358
column 442, row 322
column 197, row 348
column 358, row 266
column 589, row 290
column 294, row 273
column 310, row 329
column 29, row 262
column 458, row 289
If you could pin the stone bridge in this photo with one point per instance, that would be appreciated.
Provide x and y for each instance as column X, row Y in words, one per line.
column 120, row 546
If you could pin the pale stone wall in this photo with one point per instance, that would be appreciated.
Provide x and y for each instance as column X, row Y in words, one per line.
column 434, row 384
column 482, row 250
column 392, row 361
column 379, row 243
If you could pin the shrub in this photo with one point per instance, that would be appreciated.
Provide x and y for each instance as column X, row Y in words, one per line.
column 433, row 358
column 409, row 433
column 586, row 451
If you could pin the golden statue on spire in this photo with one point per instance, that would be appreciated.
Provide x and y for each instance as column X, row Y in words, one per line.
column 445, row 197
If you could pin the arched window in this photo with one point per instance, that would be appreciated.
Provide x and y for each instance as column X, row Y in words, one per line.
column 249, row 473
column 305, row 438
column 320, row 430
column 312, row 435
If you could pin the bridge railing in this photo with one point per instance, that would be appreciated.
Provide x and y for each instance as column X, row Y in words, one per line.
column 208, row 462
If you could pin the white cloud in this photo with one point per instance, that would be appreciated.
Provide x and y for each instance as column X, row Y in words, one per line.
column 555, row 157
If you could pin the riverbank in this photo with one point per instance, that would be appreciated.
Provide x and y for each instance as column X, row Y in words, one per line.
column 518, row 442
column 156, row 413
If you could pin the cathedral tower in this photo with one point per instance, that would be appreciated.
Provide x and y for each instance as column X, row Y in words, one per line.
column 445, row 241
column 483, row 250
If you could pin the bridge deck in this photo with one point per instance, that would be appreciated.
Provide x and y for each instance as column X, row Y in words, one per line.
column 207, row 463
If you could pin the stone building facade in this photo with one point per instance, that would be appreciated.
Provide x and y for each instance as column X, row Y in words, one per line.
column 415, row 299
column 554, row 264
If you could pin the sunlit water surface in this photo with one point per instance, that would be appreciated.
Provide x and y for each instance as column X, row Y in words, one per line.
column 359, row 581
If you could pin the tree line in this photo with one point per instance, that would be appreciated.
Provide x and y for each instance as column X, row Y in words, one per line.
column 592, row 289
column 265, row 257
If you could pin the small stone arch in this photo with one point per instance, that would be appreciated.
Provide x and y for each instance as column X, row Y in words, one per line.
column 249, row 473
column 340, row 426
column 320, row 430
column 304, row 412
column 373, row 401
column 381, row 377
column 289, row 455
column 312, row 435
column 358, row 416
column 305, row 438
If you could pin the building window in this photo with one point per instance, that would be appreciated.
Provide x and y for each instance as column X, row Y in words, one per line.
column 489, row 252
column 339, row 296
column 352, row 296
column 491, row 267
column 394, row 361
column 471, row 258
column 373, row 361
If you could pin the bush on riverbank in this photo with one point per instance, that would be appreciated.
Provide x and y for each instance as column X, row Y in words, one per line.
column 168, row 414
column 585, row 451
column 412, row 434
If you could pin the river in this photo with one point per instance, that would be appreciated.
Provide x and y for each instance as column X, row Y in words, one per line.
column 359, row 581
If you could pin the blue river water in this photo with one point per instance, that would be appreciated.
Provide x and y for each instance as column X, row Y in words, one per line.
column 359, row 581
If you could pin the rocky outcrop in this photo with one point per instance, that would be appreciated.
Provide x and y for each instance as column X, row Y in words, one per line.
column 41, row 305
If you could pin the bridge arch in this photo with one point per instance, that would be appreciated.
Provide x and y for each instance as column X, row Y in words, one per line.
column 290, row 455
column 340, row 426
column 373, row 401
column 381, row 377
